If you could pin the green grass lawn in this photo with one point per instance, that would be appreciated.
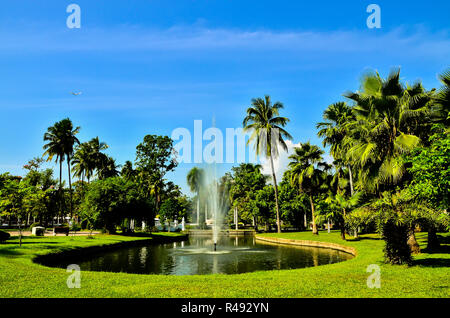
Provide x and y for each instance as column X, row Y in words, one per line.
column 429, row 277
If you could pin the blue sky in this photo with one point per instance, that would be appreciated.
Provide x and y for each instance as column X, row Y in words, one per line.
column 148, row 67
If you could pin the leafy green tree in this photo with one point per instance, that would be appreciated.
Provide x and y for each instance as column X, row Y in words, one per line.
column 169, row 210
column 430, row 183
column 109, row 202
column 247, row 180
column 154, row 159
column 268, row 133
column 293, row 203
column 12, row 196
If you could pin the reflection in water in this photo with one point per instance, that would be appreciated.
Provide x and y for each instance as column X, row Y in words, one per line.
column 196, row 256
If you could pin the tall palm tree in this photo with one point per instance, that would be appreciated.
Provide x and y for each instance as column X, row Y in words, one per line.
column 390, row 120
column 266, row 126
column 306, row 173
column 195, row 179
column 81, row 162
column 69, row 140
column 54, row 148
column 333, row 130
column 60, row 140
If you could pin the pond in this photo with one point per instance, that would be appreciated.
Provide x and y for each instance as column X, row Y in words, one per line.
column 234, row 255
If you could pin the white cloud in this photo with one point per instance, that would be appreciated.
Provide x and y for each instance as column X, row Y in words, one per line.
column 193, row 38
column 281, row 163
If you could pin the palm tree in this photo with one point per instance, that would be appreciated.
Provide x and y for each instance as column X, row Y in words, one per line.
column 305, row 173
column 333, row 130
column 127, row 170
column 69, row 140
column 81, row 162
column 390, row 120
column 54, row 148
column 195, row 181
column 341, row 205
column 108, row 167
column 60, row 142
column 442, row 99
column 266, row 126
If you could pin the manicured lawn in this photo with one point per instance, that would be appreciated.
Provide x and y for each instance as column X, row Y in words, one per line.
column 429, row 277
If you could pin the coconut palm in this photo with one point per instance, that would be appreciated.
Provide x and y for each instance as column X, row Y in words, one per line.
column 108, row 167
column 195, row 179
column 81, row 162
column 127, row 170
column 306, row 173
column 267, row 134
column 333, row 130
column 60, row 140
column 69, row 141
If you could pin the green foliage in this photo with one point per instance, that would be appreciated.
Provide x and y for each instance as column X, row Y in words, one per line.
column 430, row 170
column 109, row 201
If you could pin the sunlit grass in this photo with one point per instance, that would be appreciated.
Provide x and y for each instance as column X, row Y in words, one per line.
column 428, row 277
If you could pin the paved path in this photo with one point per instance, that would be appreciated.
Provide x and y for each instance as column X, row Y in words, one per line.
column 50, row 233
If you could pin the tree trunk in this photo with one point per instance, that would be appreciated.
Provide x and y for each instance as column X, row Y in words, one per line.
column 70, row 186
column 433, row 241
column 60, row 185
column 20, row 232
column 198, row 209
column 350, row 175
column 343, row 232
column 412, row 242
column 276, row 194
column 314, row 226
column 305, row 221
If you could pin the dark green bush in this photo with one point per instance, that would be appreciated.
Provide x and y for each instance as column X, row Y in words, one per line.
column 4, row 236
column 396, row 250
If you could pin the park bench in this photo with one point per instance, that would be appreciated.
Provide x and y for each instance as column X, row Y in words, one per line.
column 61, row 229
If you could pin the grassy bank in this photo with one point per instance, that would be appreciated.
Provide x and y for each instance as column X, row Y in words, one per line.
column 429, row 277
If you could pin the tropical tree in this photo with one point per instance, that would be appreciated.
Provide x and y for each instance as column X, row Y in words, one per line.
column 307, row 172
column 340, row 206
column 442, row 99
column 195, row 180
column 267, row 134
column 391, row 120
column 60, row 140
column 333, row 130
column 154, row 159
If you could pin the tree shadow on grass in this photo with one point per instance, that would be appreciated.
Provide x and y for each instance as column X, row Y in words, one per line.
column 433, row 262
column 9, row 252
column 28, row 242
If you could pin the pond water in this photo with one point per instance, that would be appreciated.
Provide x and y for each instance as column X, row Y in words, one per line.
column 234, row 255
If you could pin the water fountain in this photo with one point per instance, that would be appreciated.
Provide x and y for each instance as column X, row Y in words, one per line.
column 214, row 200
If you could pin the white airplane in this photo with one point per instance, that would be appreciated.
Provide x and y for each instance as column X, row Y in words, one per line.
column 76, row 94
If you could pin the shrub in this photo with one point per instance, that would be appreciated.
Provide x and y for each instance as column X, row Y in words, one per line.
column 4, row 236
column 396, row 250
